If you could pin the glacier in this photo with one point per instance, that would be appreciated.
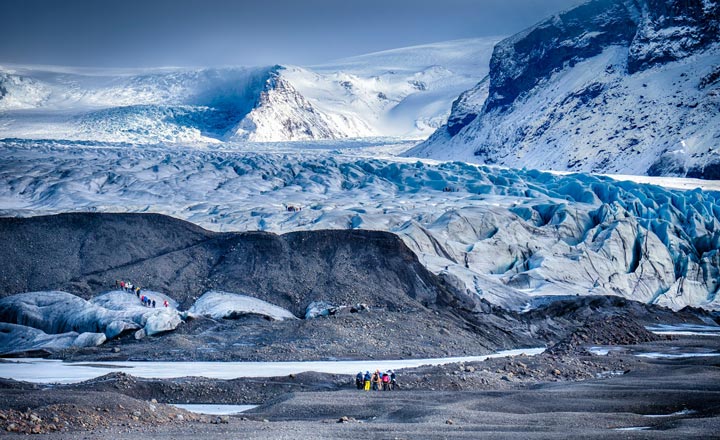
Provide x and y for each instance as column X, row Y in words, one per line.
column 501, row 234
column 402, row 93
column 112, row 313
column 219, row 305
column 17, row 339
column 49, row 321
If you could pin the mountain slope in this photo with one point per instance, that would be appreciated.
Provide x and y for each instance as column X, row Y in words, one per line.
column 610, row 86
column 281, row 113
column 87, row 252
column 400, row 93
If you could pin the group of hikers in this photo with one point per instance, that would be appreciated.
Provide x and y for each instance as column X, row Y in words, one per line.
column 128, row 287
column 378, row 381
column 146, row 300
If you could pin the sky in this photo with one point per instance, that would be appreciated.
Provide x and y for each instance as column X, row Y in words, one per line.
column 154, row 33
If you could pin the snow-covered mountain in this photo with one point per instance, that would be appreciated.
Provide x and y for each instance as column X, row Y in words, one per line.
column 399, row 93
column 616, row 86
column 504, row 235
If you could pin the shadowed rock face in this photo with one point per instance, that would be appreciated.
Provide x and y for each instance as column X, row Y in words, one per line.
column 656, row 32
column 673, row 29
column 610, row 86
column 85, row 254
column 522, row 61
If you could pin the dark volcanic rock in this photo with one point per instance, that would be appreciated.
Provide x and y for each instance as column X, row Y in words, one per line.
column 467, row 107
column 85, row 253
column 615, row 330
column 28, row 410
column 673, row 29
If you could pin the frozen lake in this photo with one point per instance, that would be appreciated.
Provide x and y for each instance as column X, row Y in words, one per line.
column 55, row 371
column 685, row 329
column 219, row 410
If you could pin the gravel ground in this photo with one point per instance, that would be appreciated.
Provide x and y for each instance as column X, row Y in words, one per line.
column 546, row 396
column 376, row 334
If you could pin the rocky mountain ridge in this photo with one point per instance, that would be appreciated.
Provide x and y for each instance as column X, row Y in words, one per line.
column 611, row 86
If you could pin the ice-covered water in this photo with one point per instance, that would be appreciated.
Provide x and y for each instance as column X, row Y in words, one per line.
column 685, row 329
column 602, row 351
column 684, row 412
column 633, row 428
column 211, row 409
column 54, row 371
column 656, row 355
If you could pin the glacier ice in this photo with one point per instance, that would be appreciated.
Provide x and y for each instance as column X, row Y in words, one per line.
column 318, row 308
column 504, row 235
column 405, row 92
column 112, row 313
column 54, row 320
column 323, row 308
column 23, row 339
column 217, row 304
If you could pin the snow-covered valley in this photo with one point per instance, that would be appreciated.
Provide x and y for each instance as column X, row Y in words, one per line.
column 504, row 235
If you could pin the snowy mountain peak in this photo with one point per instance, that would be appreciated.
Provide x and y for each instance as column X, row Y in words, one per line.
column 400, row 93
column 609, row 86
column 281, row 113
column 520, row 62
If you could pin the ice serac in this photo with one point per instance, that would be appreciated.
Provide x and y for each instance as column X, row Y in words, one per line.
column 609, row 86
column 219, row 305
